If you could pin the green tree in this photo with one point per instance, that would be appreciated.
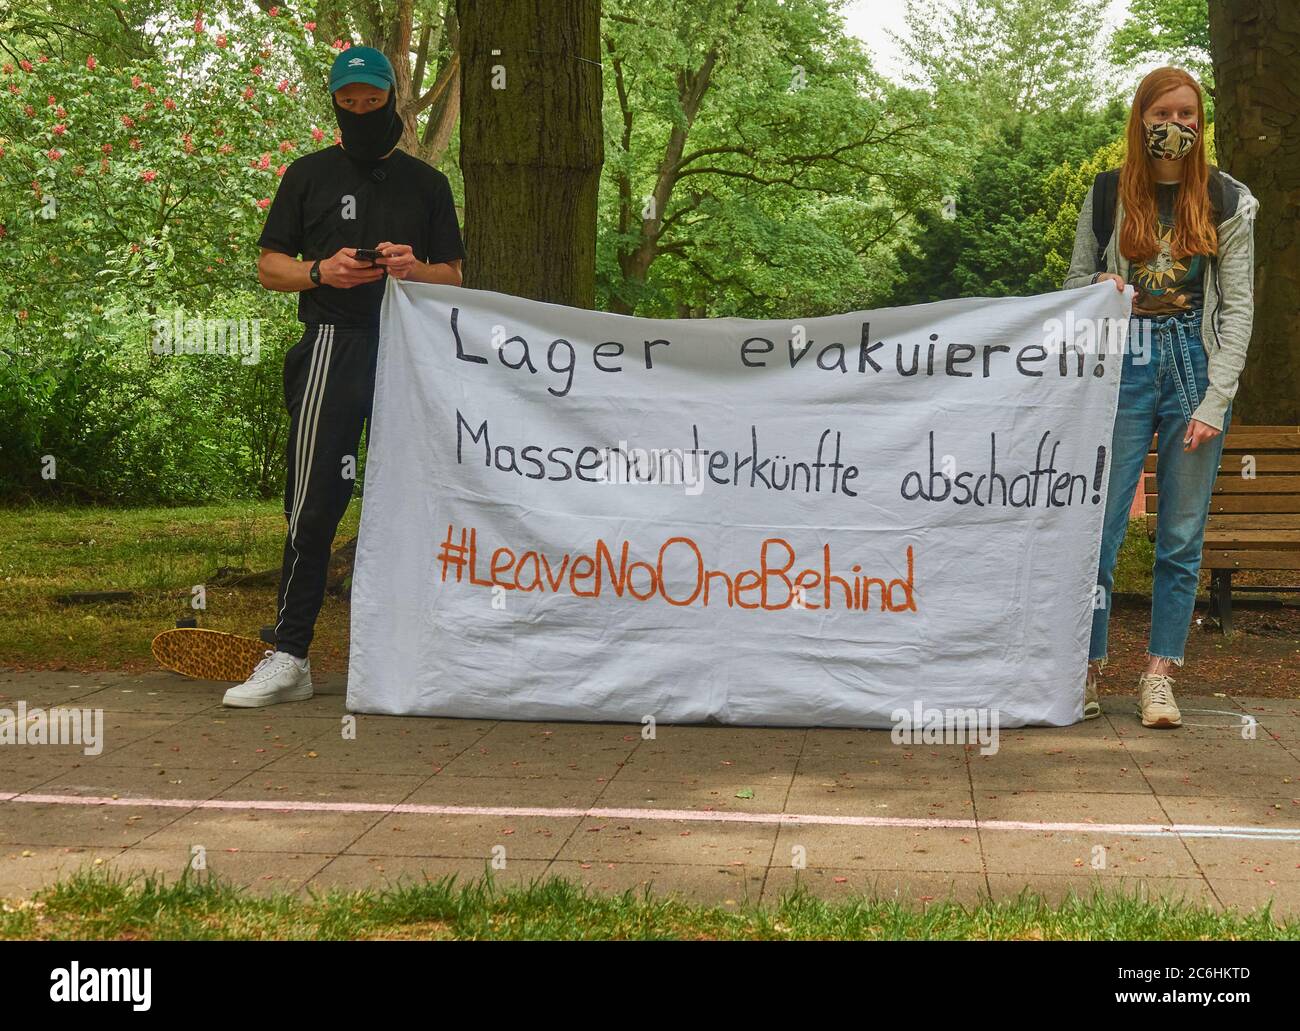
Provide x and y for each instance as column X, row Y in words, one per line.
column 1175, row 30
column 754, row 162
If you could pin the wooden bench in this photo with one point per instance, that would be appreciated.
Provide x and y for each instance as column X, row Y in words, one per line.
column 1254, row 520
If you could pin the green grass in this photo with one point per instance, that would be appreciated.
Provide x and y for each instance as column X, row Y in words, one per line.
column 1137, row 556
column 159, row 553
column 95, row 905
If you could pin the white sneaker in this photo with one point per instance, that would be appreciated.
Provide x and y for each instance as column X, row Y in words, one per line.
column 277, row 678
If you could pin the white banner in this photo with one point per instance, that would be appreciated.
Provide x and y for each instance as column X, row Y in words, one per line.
column 572, row 515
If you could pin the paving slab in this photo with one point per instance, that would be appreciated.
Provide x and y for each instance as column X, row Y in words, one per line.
column 729, row 886
column 1056, row 888
column 262, row 873
column 26, row 867
column 880, row 848
column 359, row 872
column 915, row 888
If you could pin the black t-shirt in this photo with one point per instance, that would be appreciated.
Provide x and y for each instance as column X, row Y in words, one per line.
column 329, row 200
column 1165, row 284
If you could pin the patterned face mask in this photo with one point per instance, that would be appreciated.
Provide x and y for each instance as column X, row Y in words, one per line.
column 1170, row 140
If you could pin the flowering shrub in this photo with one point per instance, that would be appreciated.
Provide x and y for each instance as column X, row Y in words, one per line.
column 130, row 191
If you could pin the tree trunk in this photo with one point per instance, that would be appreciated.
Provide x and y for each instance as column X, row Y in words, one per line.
column 1256, row 49
column 531, row 146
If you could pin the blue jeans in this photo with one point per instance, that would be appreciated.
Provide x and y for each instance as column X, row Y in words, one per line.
column 1158, row 392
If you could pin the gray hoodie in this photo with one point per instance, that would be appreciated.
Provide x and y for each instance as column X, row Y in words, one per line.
column 1229, row 285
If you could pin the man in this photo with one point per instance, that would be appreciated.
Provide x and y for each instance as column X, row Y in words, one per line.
column 363, row 194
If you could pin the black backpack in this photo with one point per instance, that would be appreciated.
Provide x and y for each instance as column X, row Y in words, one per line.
column 1105, row 189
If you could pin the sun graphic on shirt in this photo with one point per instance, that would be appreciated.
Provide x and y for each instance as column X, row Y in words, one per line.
column 1163, row 269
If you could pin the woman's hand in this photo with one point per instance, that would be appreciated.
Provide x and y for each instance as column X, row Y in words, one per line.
column 1117, row 280
column 1197, row 434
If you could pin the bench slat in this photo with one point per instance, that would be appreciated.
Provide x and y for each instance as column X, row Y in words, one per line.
column 1232, row 464
column 1241, row 503
column 1216, row 558
column 1254, row 521
column 1285, row 540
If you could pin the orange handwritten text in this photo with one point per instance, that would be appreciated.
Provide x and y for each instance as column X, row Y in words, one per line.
column 678, row 575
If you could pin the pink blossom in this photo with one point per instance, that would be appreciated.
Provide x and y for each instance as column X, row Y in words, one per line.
column 54, row 155
column 264, row 161
column 337, row 44
column 221, row 39
column 7, row 68
column 50, row 101
column 264, row 203
column 281, row 170
column 198, row 23
column 135, row 144
column 91, row 62
column 169, row 104
column 128, row 121
column 23, row 314
column 60, row 129
column 286, row 146
column 25, row 65
column 103, row 164
column 310, row 26
column 282, row 85
column 135, row 248
column 257, row 70
column 135, row 81
column 273, row 11
column 60, row 113
column 148, row 175
column 14, row 89
column 225, row 148
column 248, row 93
column 317, row 134
column 42, row 58
column 107, row 148
column 28, row 110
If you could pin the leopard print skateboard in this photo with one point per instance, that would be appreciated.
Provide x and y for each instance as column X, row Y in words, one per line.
column 208, row 654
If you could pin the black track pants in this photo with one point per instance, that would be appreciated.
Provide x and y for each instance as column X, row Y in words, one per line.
column 329, row 386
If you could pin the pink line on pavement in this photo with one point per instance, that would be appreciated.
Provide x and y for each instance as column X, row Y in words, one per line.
column 691, row 815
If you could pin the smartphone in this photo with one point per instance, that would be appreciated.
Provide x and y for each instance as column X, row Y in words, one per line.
column 369, row 254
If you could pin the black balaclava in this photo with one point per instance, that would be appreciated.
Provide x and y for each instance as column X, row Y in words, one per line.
column 370, row 136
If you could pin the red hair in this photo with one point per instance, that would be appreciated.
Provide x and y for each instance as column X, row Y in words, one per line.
column 1195, row 231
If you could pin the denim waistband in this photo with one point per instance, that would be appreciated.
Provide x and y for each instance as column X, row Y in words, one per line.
column 1172, row 334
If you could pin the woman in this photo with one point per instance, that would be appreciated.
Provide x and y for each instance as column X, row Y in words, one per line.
column 1182, row 235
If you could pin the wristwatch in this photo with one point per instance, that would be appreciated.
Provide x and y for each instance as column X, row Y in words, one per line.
column 314, row 272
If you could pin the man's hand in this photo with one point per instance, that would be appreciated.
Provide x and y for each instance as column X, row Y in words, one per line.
column 1117, row 280
column 398, row 258
column 342, row 270
column 1197, row 434
column 402, row 263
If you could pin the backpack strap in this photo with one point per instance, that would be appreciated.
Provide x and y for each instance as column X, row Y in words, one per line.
column 1105, row 190
column 1223, row 198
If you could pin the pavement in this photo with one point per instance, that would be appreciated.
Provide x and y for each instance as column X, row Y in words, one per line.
column 304, row 798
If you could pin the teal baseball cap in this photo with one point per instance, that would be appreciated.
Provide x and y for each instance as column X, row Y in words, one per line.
column 361, row 64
